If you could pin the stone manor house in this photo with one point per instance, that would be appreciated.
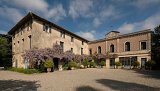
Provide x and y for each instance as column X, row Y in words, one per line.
column 34, row 31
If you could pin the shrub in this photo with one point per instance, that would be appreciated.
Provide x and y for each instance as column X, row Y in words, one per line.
column 25, row 71
column 136, row 64
column 85, row 62
column 48, row 63
column 150, row 64
column 118, row 63
column 42, row 68
column 72, row 64
column 102, row 63
column 93, row 64
column 65, row 66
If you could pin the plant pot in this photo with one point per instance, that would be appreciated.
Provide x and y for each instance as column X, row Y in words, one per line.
column 103, row 66
column 60, row 68
column 72, row 68
column 85, row 66
column 48, row 69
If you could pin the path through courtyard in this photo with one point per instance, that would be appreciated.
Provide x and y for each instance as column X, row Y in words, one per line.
column 91, row 79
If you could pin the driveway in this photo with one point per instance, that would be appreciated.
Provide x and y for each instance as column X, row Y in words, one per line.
column 90, row 79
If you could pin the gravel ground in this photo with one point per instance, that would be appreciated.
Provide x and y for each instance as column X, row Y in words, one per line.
column 90, row 79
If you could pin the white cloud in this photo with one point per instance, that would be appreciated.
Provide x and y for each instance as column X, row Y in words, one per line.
column 105, row 13
column 96, row 22
column 90, row 35
column 144, row 3
column 3, row 32
column 125, row 28
column 57, row 13
column 80, row 8
column 149, row 23
column 11, row 13
column 39, row 5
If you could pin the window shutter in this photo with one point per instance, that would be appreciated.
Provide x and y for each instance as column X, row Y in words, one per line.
column 49, row 29
column 43, row 27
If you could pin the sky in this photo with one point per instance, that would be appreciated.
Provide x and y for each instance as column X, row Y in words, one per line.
column 90, row 19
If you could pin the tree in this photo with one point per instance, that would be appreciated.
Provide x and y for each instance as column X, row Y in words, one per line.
column 5, row 51
column 149, row 64
column 157, row 29
column 155, row 50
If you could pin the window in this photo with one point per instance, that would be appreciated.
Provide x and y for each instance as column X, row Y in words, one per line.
column 99, row 50
column 81, row 51
column 82, row 43
column 112, row 48
column 127, row 46
column 22, row 45
column 90, row 51
column 30, row 41
column 62, row 34
column 72, row 39
column 62, row 45
column 46, row 28
column 71, row 49
column 143, row 45
column 18, row 46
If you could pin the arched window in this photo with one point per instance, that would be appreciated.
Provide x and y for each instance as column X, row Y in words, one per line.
column 127, row 46
column 99, row 50
column 112, row 48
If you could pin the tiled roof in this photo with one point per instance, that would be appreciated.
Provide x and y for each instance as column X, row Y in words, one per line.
column 31, row 15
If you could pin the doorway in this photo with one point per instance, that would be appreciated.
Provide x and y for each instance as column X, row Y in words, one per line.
column 56, row 63
column 143, row 62
column 112, row 62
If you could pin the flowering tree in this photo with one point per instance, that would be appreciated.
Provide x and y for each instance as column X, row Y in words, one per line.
column 40, row 55
column 68, row 55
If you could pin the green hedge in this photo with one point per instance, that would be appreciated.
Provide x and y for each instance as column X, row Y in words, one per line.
column 25, row 71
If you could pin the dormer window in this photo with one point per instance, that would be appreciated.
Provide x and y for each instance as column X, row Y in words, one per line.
column 82, row 42
column 72, row 39
column 62, row 34
column 46, row 28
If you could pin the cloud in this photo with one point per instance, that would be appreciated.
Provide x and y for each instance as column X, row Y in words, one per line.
column 105, row 13
column 3, row 32
column 144, row 3
column 57, row 12
column 10, row 13
column 149, row 23
column 87, row 35
column 96, row 22
column 80, row 8
column 39, row 5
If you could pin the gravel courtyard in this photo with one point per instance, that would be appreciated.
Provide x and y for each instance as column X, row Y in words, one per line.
column 82, row 80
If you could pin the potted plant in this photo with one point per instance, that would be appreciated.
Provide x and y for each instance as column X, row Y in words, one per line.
column 135, row 64
column 92, row 64
column 103, row 64
column 48, row 64
column 149, row 64
column 72, row 65
column 85, row 63
column 117, row 64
